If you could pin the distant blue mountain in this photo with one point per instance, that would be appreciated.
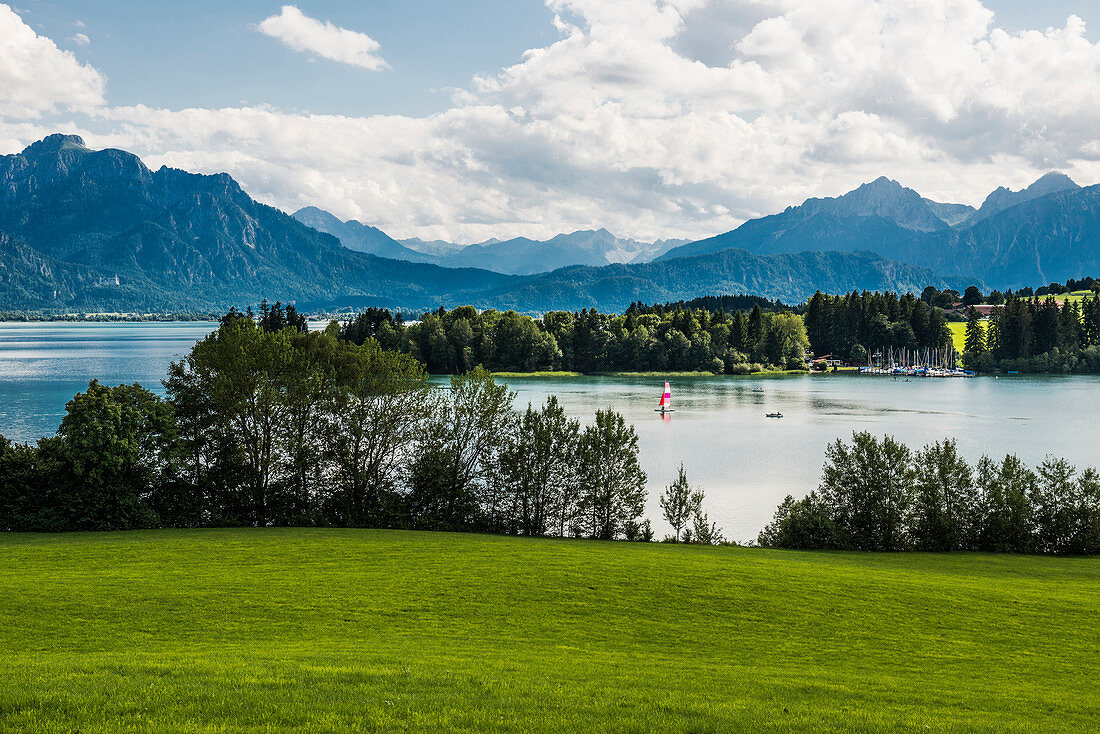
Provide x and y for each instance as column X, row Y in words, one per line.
column 357, row 236
column 523, row 256
column 517, row 256
column 792, row 278
column 1049, row 231
column 97, row 230
column 1002, row 198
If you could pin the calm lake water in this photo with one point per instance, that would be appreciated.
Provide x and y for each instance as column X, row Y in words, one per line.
column 746, row 463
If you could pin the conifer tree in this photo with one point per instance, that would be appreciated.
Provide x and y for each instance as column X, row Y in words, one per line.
column 975, row 334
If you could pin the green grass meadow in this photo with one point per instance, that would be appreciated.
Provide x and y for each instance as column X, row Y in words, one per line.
column 958, row 333
column 1075, row 296
column 357, row 630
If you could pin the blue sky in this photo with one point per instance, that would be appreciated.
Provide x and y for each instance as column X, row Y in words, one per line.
column 205, row 53
column 655, row 118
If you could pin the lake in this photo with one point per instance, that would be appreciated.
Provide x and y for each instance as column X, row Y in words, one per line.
column 745, row 463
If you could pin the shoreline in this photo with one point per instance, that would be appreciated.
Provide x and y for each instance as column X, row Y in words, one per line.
column 653, row 373
column 112, row 319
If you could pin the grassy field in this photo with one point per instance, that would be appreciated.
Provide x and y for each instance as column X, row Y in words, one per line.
column 958, row 333
column 330, row 630
column 1075, row 296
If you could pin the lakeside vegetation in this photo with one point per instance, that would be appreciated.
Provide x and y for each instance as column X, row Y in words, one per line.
column 879, row 495
column 958, row 334
column 1036, row 335
column 265, row 424
column 643, row 340
column 305, row 630
column 852, row 325
column 1050, row 330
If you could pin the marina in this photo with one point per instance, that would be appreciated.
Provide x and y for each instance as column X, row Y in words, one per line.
column 914, row 363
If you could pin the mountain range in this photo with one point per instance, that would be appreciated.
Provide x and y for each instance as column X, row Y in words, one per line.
column 517, row 256
column 87, row 230
column 73, row 219
column 791, row 278
column 1048, row 232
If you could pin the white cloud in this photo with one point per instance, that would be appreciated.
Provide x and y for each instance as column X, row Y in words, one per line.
column 80, row 39
column 37, row 77
column 300, row 32
column 671, row 118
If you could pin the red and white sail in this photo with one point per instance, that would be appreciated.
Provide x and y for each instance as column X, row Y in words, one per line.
column 666, row 399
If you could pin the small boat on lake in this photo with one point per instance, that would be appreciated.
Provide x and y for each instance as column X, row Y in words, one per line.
column 665, row 406
column 774, row 415
column 758, row 389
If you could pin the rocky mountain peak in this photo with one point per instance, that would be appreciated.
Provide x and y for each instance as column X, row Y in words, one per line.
column 1052, row 182
column 53, row 144
column 1003, row 198
column 886, row 198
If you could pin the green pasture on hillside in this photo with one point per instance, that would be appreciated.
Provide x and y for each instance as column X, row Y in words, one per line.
column 958, row 334
column 355, row 630
column 1075, row 296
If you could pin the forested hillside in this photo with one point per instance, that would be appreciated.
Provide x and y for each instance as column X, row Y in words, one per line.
column 791, row 278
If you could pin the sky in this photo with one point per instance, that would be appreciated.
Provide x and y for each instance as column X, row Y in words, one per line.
column 484, row 118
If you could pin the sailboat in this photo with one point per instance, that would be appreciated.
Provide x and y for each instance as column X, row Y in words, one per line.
column 665, row 406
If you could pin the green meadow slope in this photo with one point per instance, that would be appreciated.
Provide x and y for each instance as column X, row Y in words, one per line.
column 348, row 630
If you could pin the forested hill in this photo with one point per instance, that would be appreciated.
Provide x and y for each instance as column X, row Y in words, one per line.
column 791, row 278
column 76, row 218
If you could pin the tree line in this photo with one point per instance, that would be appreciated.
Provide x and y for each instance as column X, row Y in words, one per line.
column 1036, row 335
column 642, row 340
column 973, row 295
column 850, row 325
column 878, row 495
column 714, row 304
column 265, row 424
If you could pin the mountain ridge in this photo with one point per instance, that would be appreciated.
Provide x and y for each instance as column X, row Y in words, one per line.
column 186, row 240
column 791, row 278
column 514, row 256
column 1006, row 247
column 72, row 219
column 1003, row 198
